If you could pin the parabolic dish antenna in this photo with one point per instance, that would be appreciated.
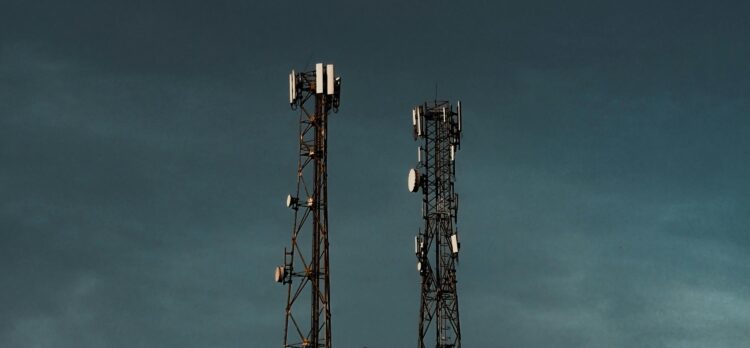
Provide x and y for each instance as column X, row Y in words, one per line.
column 279, row 274
column 413, row 182
column 291, row 201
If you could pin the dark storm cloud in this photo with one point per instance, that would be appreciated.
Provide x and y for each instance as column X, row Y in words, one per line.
column 117, row 199
column 145, row 150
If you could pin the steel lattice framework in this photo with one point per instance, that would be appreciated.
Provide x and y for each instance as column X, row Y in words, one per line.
column 315, row 94
column 437, row 126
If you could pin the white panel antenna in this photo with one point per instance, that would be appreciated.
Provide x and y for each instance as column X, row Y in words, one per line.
column 419, row 123
column 459, row 115
column 294, row 85
column 291, row 87
column 319, row 78
column 330, row 79
column 454, row 243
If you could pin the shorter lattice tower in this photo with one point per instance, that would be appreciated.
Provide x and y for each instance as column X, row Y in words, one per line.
column 437, row 127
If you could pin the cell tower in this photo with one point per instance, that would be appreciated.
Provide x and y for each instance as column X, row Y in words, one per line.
column 306, row 275
column 437, row 127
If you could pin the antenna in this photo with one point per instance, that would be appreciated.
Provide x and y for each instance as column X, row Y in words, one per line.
column 437, row 245
column 307, row 320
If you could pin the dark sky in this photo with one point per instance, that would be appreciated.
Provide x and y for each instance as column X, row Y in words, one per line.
column 146, row 151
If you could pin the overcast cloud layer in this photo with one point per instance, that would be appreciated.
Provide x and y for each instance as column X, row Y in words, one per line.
column 146, row 150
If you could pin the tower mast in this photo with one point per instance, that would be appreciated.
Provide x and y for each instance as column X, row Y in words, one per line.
column 307, row 322
column 437, row 127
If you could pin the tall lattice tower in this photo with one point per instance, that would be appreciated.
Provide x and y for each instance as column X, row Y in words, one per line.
column 437, row 127
column 305, row 271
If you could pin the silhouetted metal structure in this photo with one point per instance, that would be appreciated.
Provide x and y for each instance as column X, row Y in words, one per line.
column 437, row 127
column 314, row 93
